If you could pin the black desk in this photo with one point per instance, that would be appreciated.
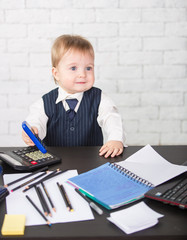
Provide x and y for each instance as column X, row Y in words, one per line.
column 172, row 226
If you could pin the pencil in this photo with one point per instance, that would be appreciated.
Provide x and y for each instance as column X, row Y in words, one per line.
column 31, row 180
column 44, row 201
column 47, row 194
column 50, row 175
column 65, row 197
column 22, row 178
column 46, row 212
column 34, row 205
column 44, row 179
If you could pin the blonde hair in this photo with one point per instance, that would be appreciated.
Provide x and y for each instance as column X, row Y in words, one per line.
column 66, row 42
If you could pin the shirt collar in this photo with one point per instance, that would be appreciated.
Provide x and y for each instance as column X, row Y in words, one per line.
column 63, row 95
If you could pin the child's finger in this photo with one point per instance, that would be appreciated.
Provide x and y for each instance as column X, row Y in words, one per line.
column 102, row 148
column 34, row 130
column 120, row 151
column 108, row 153
column 115, row 152
column 27, row 139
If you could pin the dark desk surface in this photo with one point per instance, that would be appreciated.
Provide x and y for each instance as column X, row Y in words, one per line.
column 172, row 226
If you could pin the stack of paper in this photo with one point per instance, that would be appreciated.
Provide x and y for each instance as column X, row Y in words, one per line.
column 135, row 218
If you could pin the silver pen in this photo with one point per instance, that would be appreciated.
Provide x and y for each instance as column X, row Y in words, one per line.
column 92, row 205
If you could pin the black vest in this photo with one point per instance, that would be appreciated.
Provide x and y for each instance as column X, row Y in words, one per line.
column 83, row 130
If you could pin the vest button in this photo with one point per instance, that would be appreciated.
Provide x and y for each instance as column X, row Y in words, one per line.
column 72, row 128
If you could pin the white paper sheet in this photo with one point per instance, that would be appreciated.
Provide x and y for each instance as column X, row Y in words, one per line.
column 135, row 218
column 17, row 203
column 148, row 164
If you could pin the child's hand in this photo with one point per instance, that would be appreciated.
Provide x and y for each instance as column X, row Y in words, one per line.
column 27, row 139
column 111, row 148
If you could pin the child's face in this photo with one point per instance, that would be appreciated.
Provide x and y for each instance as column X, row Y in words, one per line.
column 75, row 71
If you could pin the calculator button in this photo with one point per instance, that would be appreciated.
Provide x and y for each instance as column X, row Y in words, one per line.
column 19, row 153
column 33, row 162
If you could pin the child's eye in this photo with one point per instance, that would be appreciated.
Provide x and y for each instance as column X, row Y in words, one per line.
column 89, row 68
column 73, row 68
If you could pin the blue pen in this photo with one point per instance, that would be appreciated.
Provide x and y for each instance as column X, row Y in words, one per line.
column 33, row 137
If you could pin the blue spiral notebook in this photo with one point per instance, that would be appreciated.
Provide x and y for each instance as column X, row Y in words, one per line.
column 110, row 186
column 115, row 184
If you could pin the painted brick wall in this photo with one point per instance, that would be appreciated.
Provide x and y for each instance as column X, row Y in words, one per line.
column 141, row 61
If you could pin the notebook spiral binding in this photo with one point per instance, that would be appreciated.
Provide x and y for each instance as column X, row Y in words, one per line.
column 130, row 174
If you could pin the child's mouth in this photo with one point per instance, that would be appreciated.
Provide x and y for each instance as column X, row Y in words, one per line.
column 80, row 82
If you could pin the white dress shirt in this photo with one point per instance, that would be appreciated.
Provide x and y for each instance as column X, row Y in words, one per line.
column 108, row 117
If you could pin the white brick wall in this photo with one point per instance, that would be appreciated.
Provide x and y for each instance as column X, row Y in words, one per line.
column 141, row 61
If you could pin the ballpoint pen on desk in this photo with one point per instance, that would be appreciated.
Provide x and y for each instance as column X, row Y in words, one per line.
column 92, row 205
column 31, row 180
column 34, row 205
column 65, row 197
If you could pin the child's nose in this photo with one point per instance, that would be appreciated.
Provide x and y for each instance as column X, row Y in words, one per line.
column 82, row 73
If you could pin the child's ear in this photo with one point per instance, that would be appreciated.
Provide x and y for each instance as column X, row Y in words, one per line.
column 55, row 73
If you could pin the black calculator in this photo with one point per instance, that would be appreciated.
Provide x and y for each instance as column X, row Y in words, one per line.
column 29, row 158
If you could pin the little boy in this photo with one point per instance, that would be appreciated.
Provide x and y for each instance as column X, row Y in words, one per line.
column 76, row 113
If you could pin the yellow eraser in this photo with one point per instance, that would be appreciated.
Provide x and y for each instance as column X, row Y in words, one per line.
column 13, row 225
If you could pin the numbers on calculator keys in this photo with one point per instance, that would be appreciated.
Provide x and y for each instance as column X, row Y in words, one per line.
column 33, row 156
column 37, row 155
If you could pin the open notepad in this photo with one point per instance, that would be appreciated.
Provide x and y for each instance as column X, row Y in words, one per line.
column 116, row 184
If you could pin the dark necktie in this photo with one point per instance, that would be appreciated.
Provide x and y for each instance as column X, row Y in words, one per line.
column 72, row 104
